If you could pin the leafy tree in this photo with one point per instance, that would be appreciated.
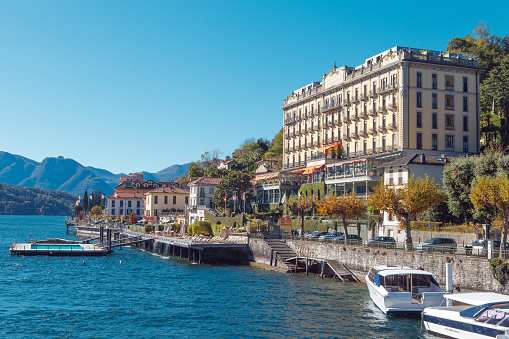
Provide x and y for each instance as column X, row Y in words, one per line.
column 249, row 153
column 234, row 183
column 345, row 206
column 457, row 178
column 494, row 192
column 96, row 211
column 211, row 172
column 276, row 148
column 500, row 271
column 301, row 205
column 407, row 202
column 195, row 170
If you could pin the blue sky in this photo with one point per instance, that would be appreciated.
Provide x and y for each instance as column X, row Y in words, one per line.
column 141, row 85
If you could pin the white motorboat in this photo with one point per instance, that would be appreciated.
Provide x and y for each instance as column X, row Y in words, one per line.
column 470, row 315
column 400, row 290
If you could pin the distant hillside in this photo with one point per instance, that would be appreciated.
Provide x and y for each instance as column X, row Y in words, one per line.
column 33, row 201
column 173, row 172
column 68, row 175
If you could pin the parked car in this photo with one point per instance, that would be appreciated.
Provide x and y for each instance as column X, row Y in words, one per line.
column 438, row 245
column 315, row 235
column 330, row 236
column 352, row 239
column 481, row 247
column 383, row 242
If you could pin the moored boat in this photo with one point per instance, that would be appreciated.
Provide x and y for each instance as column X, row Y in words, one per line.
column 470, row 315
column 401, row 290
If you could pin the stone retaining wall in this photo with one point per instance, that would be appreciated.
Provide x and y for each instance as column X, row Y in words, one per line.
column 469, row 274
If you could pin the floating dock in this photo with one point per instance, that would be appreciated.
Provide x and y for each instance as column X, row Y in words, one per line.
column 58, row 248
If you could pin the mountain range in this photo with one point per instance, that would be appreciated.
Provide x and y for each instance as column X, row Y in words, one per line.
column 68, row 175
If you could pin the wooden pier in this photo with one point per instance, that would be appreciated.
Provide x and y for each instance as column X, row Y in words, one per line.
column 337, row 269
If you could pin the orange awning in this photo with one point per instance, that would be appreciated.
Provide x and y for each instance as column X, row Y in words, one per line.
column 269, row 176
column 309, row 170
column 324, row 148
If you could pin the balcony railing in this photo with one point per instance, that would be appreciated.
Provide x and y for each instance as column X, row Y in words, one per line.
column 372, row 94
column 392, row 107
column 356, row 99
column 382, row 128
column 372, row 112
column 347, row 119
column 364, row 133
column 355, row 117
column 382, row 109
column 363, row 115
column 364, row 96
column 372, row 130
column 347, row 102
column 449, row 88
column 392, row 126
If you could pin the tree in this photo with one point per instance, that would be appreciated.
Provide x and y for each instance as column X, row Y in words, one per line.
column 457, row 178
column 301, row 206
column 235, row 183
column 494, row 192
column 211, row 172
column 276, row 148
column 407, row 202
column 345, row 206
column 96, row 211
column 195, row 170
column 249, row 153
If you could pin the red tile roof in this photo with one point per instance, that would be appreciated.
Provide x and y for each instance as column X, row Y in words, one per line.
column 170, row 190
column 206, row 181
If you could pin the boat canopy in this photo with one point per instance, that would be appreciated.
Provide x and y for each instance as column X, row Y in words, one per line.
column 477, row 298
column 385, row 273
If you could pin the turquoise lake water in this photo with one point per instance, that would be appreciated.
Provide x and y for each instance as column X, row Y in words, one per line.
column 151, row 296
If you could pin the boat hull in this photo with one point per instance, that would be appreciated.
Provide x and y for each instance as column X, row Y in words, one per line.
column 452, row 328
column 400, row 304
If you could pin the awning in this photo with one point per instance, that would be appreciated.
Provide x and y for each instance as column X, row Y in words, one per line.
column 268, row 176
column 312, row 169
column 324, row 148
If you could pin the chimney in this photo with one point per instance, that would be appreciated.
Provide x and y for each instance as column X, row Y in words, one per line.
column 421, row 157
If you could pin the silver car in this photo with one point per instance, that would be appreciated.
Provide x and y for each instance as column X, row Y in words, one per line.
column 438, row 245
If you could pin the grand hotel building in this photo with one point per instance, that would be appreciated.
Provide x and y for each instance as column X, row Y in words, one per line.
column 399, row 102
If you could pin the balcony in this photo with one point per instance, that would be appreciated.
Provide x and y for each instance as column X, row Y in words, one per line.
column 289, row 121
column 449, row 87
column 347, row 119
column 330, row 107
column 355, row 135
column 382, row 109
column 316, row 143
column 373, row 130
column 372, row 94
column 363, row 115
column 315, row 128
column 348, row 136
column 382, row 129
column 383, row 89
column 372, row 112
column 363, row 133
column 392, row 126
column 347, row 102
column 393, row 86
column 356, row 100
column 392, row 107
column 355, row 117
column 364, row 96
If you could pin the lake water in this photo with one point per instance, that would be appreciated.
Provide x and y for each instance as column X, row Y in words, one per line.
column 149, row 295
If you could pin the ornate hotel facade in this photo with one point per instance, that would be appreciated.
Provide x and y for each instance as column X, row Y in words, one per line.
column 399, row 102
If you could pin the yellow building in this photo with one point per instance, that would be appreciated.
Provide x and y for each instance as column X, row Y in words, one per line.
column 401, row 101
column 164, row 201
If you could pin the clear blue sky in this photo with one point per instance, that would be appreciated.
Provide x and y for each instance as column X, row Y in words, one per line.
column 141, row 85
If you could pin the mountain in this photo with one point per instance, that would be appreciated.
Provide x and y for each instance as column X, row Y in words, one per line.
column 33, row 201
column 68, row 175
column 15, row 168
column 173, row 172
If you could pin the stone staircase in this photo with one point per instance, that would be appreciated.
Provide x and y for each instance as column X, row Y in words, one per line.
column 280, row 253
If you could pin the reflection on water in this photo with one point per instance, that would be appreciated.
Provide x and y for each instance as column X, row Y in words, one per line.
column 152, row 295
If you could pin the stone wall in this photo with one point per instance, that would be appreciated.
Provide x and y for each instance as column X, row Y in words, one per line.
column 259, row 252
column 470, row 274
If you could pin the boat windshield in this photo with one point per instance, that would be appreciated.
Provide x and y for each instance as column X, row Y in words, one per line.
column 494, row 317
column 411, row 283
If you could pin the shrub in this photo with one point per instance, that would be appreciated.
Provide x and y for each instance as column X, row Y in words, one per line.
column 201, row 227
column 500, row 271
column 175, row 227
column 424, row 226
